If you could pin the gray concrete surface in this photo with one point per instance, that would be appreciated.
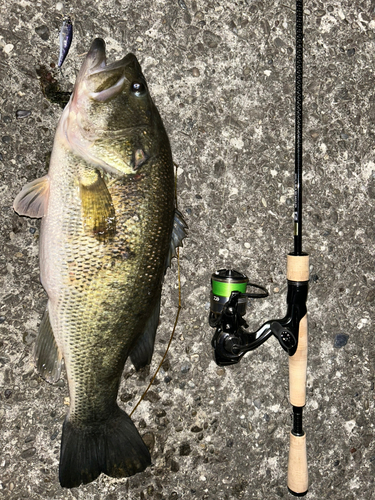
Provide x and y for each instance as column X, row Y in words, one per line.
column 222, row 75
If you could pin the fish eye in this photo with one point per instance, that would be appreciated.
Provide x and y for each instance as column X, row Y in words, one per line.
column 138, row 88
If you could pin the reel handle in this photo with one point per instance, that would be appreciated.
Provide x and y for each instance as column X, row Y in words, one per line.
column 298, row 270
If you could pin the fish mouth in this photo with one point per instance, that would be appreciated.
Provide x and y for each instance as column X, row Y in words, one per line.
column 96, row 57
column 100, row 81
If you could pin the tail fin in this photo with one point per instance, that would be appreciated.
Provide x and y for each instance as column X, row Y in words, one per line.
column 115, row 448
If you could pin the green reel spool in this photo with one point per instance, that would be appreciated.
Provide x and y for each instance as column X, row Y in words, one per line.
column 223, row 283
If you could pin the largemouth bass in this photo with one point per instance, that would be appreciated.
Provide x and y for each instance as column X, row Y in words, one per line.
column 109, row 230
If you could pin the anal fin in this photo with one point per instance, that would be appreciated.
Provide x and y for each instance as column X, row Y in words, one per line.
column 48, row 358
column 141, row 354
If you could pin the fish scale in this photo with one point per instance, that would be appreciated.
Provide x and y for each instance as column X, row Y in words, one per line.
column 97, row 287
column 109, row 230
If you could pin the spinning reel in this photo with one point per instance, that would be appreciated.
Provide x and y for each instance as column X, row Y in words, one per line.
column 228, row 308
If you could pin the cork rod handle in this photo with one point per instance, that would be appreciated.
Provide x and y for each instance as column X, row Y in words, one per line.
column 298, row 270
column 298, row 478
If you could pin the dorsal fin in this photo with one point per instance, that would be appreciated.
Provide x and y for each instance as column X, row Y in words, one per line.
column 179, row 232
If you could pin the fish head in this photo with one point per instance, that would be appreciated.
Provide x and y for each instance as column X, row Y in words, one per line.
column 111, row 117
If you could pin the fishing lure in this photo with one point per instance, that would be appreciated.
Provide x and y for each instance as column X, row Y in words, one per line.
column 66, row 37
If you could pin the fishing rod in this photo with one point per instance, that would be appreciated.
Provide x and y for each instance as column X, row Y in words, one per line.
column 229, row 298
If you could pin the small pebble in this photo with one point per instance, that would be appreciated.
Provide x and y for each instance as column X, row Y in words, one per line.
column 211, row 39
column 195, row 72
column 350, row 52
column 54, row 435
column 22, row 113
column 370, row 297
column 142, row 424
column 175, row 467
column 185, row 449
column 8, row 48
column 199, row 16
column 8, row 393
column 185, row 368
column 341, row 340
column 6, row 139
column 196, row 428
column 271, row 428
column 257, row 403
column 28, row 338
column 152, row 396
column 149, row 440
column 126, row 396
column 43, row 32
column 28, row 453
column 182, row 4
column 2, row 319
column 29, row 439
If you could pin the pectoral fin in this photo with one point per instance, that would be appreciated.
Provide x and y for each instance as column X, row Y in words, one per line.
column 48, row 358
column 98, row 211
column 179, row 232
column 32, row 201
column 141, row 354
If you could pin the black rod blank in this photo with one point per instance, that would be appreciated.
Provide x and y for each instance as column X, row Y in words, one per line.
column 298, row 131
